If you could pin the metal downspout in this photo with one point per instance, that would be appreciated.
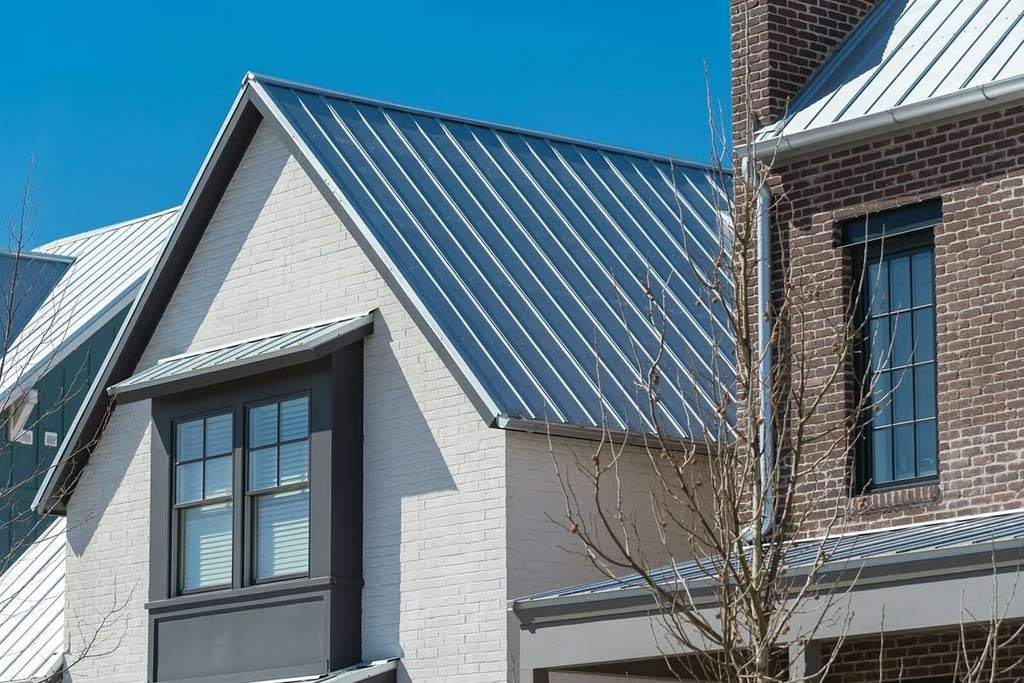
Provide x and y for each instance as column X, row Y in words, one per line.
column 764, row 335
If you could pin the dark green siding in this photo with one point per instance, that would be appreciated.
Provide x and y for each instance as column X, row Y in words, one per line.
column 22, row 467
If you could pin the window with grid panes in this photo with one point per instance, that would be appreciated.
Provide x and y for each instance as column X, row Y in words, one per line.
column 897, row 363
column 203, row 501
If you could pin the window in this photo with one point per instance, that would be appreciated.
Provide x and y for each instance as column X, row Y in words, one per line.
column 278, row 486
column 202, row 500
column 897, row 365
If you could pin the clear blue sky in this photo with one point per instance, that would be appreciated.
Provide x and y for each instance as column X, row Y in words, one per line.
column 119, row 101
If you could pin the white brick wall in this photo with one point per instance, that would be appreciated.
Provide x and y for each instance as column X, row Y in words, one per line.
column 276, row 256
column 445, row 520
column 541, row 554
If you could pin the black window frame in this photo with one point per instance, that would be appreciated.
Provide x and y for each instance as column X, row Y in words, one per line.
column 249, row 516
column 177, row 509
column 902, row 232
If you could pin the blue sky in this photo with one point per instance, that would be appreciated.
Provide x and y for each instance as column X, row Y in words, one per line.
column 118, row 102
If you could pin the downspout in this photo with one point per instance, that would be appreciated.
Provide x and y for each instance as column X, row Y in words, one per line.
column 764, row 334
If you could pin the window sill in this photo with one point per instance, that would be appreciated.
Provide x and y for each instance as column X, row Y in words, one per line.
column 264, row 590
column 895, row 498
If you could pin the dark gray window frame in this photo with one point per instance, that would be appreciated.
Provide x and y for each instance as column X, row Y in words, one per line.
column 329, row 597
column 176, row 508
column 884, row 236
column 250, row 496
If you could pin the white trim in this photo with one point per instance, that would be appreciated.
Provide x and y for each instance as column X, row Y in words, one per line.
column 783, row 146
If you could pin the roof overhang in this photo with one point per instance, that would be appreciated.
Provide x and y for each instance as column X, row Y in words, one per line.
column 242, row 359
column 932, row 589
column 776, row 146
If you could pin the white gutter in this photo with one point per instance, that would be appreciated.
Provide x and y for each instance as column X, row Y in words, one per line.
column 841, row 134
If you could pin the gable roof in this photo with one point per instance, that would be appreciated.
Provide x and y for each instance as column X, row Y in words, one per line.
column 107, row 268
column 909, row 62
column 525, row 258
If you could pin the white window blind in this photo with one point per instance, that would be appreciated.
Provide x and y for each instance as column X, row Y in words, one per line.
column 278, row 480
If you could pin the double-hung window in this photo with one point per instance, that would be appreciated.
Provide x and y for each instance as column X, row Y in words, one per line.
column 897, row 359
column 278, row 487
column 203, row 502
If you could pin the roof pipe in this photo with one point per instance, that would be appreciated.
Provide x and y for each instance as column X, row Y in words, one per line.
column 766, row 354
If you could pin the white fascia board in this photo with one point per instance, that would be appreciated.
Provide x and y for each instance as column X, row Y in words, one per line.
column 846, row 133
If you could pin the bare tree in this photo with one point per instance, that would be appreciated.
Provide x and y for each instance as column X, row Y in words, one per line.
column 736, row 490
column 25, row 360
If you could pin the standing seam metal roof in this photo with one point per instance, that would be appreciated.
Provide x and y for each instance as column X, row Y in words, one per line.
column 532, row 254
column 32, row 609
column 909, row 51
column 976, row 532
column 109, row 266
column 243, row 352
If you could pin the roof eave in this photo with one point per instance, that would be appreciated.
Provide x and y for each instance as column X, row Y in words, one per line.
column 920, row 565
column 787, row 148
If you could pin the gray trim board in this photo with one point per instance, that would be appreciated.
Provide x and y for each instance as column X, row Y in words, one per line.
column 181, row 377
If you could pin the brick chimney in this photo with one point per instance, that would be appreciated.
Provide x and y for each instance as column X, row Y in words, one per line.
column 788, row 40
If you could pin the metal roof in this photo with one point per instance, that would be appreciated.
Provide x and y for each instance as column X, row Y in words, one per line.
column 32, row 609
column 531, row 254
column 907, row 53
column 970, row 532
column 243, row 354
column 108, row 266
column 26, row 279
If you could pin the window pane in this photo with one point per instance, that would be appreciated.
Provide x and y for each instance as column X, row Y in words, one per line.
column 206, row 546
column 903, row 395
column 924, row 335
column 282, row 534
column 218, row 435
column 924, row 391
column 899, row 283
column 295, row 419
column 294, row 462
column 903, row 448
column 189, row 482
column 927, row 456
column 188, row 442
column 902, row 344
column 878, row 287
column 922, row 267
column 878, row 341
column 218, row 477
column 263, row 425
column 881, row 456
column 262, row 468
column 881, row 400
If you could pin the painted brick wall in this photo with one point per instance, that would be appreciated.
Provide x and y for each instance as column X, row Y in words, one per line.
column 108, row 555
column 276, row 256
column 542, row 555
column 976, row 166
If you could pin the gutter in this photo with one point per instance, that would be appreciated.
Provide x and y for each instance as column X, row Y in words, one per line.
column 845, row 133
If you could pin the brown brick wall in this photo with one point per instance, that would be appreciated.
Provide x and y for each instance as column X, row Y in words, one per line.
column 784, row 42
column 977, row 167
column 928, row 656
